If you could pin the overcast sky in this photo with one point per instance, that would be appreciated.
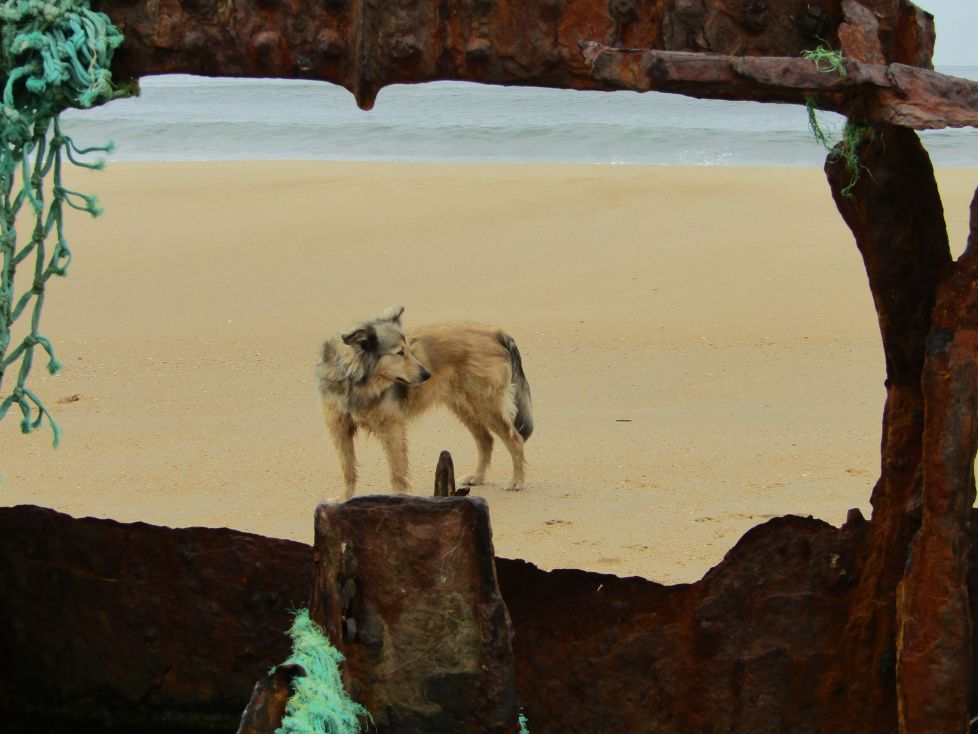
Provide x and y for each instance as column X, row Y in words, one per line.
column 957, row 31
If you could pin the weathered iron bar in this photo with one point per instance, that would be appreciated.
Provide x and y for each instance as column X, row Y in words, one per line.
column 896, row 94
column 753, row 52
column 364, row 45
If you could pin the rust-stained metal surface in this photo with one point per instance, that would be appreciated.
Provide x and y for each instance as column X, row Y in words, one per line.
column 896, row 94
column 896, row 217
column 269, row 698
column 745, row 650
column 728, row 49
column 934, row 635
column 112, row 624
column 366, row 44
column 445, row 475
column 406, row 589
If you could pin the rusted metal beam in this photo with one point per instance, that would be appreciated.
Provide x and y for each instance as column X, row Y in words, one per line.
column 364, row 45
column 709, row 48
column 895, row 94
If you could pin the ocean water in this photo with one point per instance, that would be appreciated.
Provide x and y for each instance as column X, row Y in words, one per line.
column 182, row 117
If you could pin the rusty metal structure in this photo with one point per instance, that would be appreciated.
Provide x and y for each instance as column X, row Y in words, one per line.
column 725, row 49
column 903, row 659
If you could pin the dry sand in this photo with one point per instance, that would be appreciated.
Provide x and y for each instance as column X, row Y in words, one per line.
column 701, row 345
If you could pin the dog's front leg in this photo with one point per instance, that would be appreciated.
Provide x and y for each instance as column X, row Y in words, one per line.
column 342, row 429
column 393, row 436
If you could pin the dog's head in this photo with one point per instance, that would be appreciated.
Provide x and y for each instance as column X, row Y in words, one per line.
column 380, row 343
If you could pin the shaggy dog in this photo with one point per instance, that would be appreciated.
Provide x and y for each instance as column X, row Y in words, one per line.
column 375, row 377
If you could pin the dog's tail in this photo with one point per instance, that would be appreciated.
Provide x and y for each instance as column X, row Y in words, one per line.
column 521, row 392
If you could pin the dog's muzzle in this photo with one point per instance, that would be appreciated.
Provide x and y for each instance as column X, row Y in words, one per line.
column 423, row 377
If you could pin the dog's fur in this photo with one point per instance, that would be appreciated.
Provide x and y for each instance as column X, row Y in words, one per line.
column 375, row 377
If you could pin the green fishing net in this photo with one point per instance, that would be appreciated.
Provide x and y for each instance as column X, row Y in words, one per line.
column 54, row 54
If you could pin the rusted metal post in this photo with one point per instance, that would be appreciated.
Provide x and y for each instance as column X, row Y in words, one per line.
column 934, row 656
column 432, row 651
column 896, row 216
column 445, row 476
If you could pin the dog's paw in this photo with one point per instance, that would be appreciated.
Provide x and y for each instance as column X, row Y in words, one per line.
column 514, row 487
column 472, row 480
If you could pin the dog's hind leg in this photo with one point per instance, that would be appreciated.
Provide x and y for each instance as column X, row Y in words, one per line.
column 393, row 437
column 504, row 428
column 342, row 430
column 483, row 444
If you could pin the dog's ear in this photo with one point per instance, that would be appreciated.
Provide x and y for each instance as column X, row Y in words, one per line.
column 392, row 314
column 362, row 337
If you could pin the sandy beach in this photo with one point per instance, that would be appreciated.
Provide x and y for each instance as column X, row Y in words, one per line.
column 701, row 345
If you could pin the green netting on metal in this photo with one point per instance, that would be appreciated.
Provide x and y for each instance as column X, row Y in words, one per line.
column 318, row 703
column 54, row 54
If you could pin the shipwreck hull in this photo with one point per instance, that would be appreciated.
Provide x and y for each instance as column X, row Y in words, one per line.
column 140, row 627
column 803, row 627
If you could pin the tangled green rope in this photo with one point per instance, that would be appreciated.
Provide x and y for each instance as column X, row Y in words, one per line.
column 318, row 704
column 54, row 54
column 853, row 135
